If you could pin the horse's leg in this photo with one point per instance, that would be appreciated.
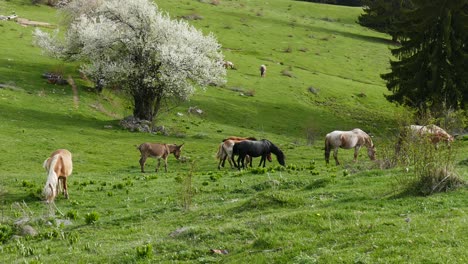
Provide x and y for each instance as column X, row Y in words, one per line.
column 356, row 152
column 230, row 162
column 245, row 161
column 327, row 154
column 142, row 163
column 335, row 155
column 262, row 159
column 240, row 160
column 221, row 161
column 165, row 164
column 159, row 164
column 234, row 162
column 64, row 184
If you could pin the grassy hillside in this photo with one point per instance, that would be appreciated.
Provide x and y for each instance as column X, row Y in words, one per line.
column 305, row 213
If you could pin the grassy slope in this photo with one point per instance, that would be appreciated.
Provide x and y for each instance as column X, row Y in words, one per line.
column 316, row 214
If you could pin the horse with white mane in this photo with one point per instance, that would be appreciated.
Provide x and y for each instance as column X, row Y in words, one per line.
column 355, row 138
column 58, row 166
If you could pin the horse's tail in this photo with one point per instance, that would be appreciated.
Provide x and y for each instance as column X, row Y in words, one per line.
column 327, row 149
column 50, row 188
column 219, row 154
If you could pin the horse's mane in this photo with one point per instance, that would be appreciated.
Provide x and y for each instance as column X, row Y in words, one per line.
column 275, row 150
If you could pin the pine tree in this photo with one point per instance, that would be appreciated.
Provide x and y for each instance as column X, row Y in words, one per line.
column 430, row 73
column 382, row 15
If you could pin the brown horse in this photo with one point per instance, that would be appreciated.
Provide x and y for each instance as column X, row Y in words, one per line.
column 158, row 151
column 58, row 166
column 355, row 138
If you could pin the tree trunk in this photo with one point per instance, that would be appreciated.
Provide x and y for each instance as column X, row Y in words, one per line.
column 144, row 105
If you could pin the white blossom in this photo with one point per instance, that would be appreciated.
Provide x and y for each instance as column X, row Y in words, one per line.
column 134, row 44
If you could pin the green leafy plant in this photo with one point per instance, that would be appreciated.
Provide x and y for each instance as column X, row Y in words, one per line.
column 91, row 218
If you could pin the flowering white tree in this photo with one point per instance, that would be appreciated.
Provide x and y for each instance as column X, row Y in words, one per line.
column 133, row 44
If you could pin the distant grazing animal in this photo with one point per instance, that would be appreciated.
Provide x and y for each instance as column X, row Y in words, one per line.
column 263, row 70
column 432, row 133
column 355, row 138
column 58, row 166
column 228, row 65
column 158, row 151
column 256, row 149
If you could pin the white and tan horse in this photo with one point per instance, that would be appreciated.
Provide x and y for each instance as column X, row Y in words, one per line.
column 58, row 166
column 431, row 133
column 228, row 65
column 355, row 138
column 158, row 151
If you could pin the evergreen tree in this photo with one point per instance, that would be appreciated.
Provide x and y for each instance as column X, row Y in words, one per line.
column 383, row 15
column 430, row 73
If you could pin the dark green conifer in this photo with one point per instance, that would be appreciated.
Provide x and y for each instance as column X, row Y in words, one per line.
column 431, row 71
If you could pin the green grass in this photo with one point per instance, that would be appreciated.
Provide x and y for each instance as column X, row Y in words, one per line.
column 304, row 213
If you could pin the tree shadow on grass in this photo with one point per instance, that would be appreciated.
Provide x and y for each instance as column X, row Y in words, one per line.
column 30, row 118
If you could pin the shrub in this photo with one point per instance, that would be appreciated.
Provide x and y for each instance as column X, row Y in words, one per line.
column 145, row 251
column 433, row 167
column 6, row 232
column 91, row 218
column 73, row 215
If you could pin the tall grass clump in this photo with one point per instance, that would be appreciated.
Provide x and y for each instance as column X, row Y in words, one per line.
column 430, row 168
column 187, row 190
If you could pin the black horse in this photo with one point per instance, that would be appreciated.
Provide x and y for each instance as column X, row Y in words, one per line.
column 256, row 148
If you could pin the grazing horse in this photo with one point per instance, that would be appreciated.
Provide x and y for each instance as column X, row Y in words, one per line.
column 256, row 148
column 225, row 149
column 58, row 166
column 432, row 133
column 158, row 151
column 262, row 70
column 355, row 138
column 228, row 65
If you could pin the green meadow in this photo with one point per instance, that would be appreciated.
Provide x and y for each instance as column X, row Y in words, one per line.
column 323, row 74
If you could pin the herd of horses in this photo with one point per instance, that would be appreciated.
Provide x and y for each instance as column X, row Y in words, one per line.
column 59, row 164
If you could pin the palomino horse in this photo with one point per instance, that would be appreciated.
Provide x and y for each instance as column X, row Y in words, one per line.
column 432, row 133
column 158, row 151
column 225, row 149
column 263, row 70
column 256, row 148
column 58, row 166
column 355, row 138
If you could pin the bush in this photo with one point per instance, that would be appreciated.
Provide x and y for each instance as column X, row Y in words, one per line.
column 72, row 214
column 91, row 218
column 145, row 251
column 6, row 232
column 433, row 167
